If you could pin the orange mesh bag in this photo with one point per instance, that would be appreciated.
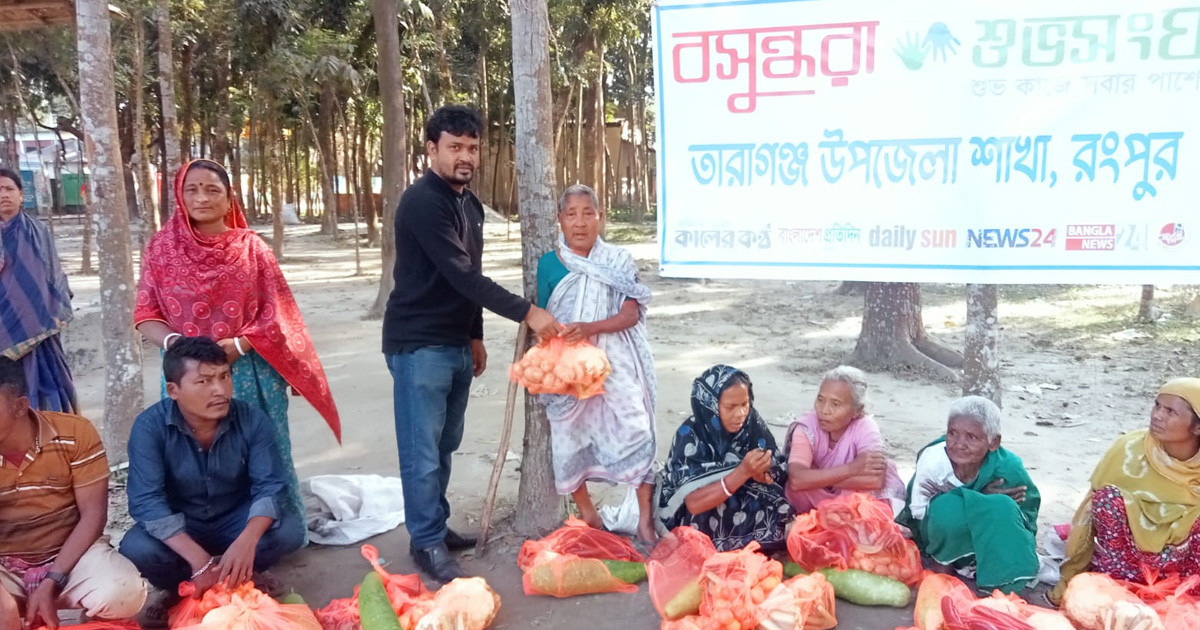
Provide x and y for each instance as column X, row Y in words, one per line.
column 558, row 367
column 735, row 584
column 251, row 609
column 568, row 576
column 676, row 562
column 854, row 531
column 576, row 538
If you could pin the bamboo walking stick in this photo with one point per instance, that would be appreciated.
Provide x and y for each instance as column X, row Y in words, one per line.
column 489, row 502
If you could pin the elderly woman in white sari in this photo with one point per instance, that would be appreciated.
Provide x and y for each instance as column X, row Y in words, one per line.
column 593, row 289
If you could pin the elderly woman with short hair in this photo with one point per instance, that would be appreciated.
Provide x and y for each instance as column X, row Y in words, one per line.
column 836, row 448
column 593, row 288
column 971, row 505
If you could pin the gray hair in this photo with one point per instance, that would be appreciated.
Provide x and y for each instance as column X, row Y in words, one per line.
column 854, row 378
column 578, row 189
column 979, row 409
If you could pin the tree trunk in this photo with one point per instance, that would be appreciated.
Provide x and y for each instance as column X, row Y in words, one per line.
column 394, row 141
column 166, row 90
column 139, row 125
column 326, row 157
column 560, row 148
column 893, row 335
column 594, row 168
column 222, row 151
column 538, row 505
column 981, row 358
column 1146, row 306
column 123, row 370
column 187, row 124
column 500, row 168
column 484, row 174
column 128, row 152
column 273, row 177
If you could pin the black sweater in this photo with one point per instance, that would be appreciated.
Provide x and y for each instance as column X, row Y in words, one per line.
column 440, row 288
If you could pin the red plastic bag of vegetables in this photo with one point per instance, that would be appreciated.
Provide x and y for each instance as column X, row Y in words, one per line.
column 558, row 367
column 674, row 566
column 247, row 608
column 961, row 615
column 735, row 584
column 575, row 538
column 854, row 531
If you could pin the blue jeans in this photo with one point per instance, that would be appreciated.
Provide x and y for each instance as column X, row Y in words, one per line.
column 165, row 569
column 430, row 390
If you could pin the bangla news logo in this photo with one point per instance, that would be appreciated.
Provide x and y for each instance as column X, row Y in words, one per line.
column 1094, row 237
column 1171, row 234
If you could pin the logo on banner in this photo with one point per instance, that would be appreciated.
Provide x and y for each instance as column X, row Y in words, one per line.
column 1096, row 237
column 1014, row 238
column 1171, row 234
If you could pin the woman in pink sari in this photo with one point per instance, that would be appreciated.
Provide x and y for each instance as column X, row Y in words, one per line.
column 836, row 447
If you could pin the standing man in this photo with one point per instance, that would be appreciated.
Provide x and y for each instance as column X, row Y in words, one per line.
column 35, row 302
column 433, row 329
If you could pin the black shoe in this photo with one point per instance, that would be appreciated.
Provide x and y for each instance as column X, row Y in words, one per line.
column 437, row 562
column 456, row 541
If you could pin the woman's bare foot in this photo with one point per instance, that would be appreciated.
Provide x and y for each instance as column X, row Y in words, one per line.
column 10, row 614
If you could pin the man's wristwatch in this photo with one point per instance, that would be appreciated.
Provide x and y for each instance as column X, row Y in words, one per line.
column 59, row 579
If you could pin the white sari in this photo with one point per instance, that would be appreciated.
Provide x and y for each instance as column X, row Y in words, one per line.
column 609, row 437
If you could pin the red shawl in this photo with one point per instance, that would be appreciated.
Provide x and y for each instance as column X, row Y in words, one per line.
column 230, row 285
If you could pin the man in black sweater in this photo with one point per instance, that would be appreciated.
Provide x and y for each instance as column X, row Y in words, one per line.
column 433, row 329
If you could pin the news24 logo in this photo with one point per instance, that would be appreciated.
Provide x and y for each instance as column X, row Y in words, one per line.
column 993, row 238
column 1171, row 235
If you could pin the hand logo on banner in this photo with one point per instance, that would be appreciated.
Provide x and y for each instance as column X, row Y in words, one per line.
column 939, row 43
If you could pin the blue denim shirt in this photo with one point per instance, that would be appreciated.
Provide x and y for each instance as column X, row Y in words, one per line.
column 172, row 480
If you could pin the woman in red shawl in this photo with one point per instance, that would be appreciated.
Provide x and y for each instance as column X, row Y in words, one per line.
column 206, row 274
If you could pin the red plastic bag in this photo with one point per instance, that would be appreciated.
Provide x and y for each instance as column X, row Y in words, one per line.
column 962, row 615
column 340, row 614
column 247, row 608
column 854, row 531
column 676, row 561
column 558, row 367
column 927, row 612
column 100, row 625
column 576, row 538
column 736, row 583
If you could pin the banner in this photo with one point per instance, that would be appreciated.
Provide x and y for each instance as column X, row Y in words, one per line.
column 977, row 141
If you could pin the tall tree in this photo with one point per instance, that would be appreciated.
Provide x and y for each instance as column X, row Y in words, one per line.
column 981, row 359
column 123, row 372
column 538, row 505
column 395, row 139
column 893, row 333
column 166, row 90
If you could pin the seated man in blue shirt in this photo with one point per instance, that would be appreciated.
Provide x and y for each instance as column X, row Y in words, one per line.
column 206, row 483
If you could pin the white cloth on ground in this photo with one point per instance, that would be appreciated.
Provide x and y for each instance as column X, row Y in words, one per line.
column 344, row 509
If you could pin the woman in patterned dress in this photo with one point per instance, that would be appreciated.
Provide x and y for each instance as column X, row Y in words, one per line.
column 1143, row 508
column 206, row 274
column 724, row 475
column 593, row 289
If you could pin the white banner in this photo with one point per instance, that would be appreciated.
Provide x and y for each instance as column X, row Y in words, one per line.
column 1023, row 141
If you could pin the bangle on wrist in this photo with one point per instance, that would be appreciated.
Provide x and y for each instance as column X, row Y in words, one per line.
column 207, row 565
column 725, row 488
column 237, row 343
column 167, row 340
